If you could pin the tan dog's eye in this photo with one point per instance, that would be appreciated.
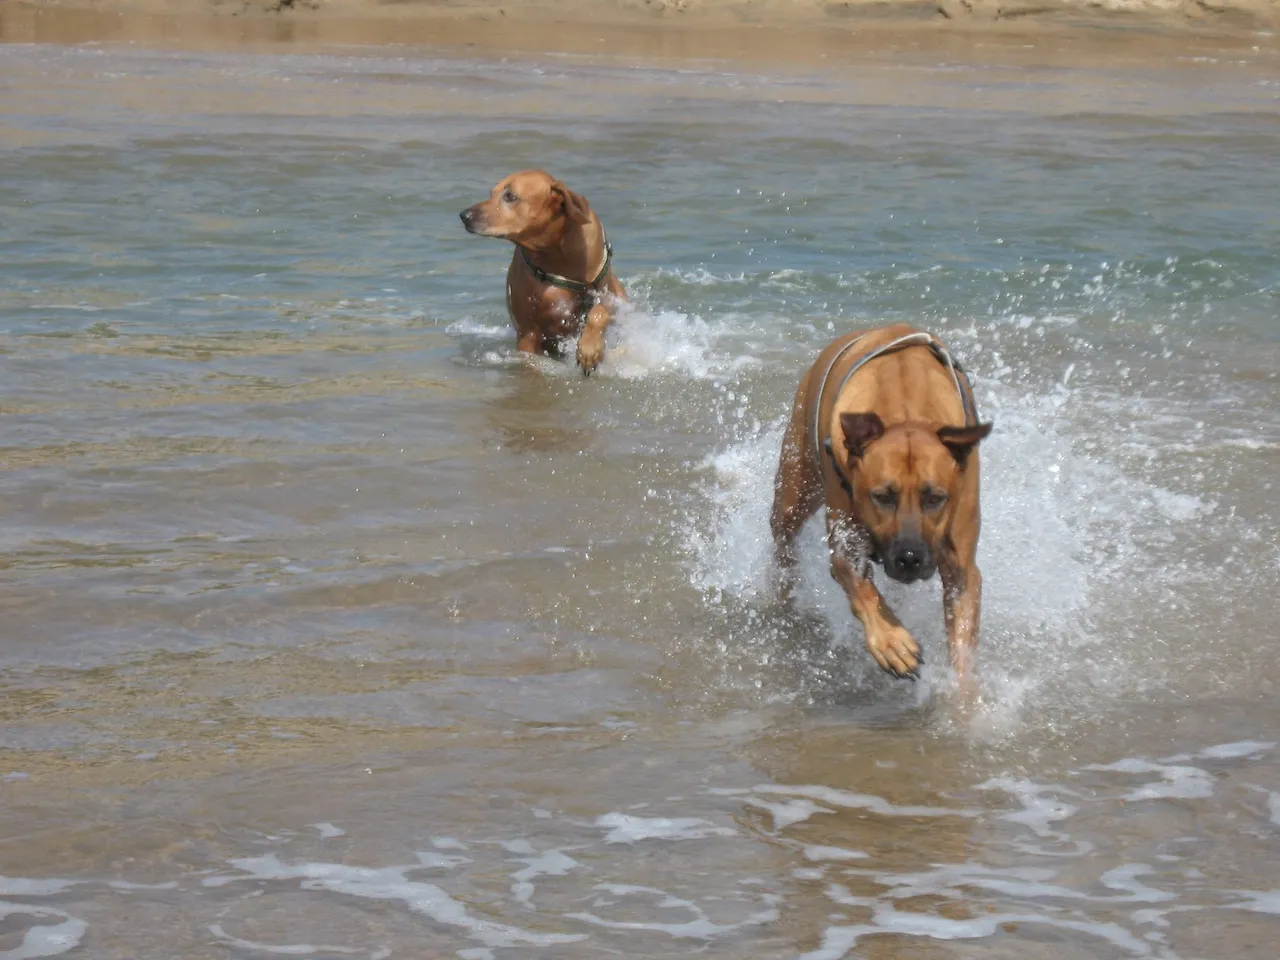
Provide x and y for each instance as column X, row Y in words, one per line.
column 932, row 499
column 508, row 196
column 885, row 499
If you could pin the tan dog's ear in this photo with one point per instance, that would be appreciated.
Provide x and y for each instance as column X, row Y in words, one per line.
column 859, row 430
column 576, row 207
column 961, row 440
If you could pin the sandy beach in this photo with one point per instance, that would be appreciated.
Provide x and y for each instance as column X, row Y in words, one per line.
column 764, row 31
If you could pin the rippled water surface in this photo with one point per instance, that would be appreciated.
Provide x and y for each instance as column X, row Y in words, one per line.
column 333, row 628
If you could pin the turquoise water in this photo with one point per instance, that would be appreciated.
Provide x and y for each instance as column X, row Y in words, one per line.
column 333, row 627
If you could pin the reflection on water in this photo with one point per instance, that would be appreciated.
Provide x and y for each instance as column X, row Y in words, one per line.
column 334, row 628
column 1026, row 865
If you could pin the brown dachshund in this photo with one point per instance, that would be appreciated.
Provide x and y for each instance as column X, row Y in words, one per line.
column 885, row 433
column 560, row 282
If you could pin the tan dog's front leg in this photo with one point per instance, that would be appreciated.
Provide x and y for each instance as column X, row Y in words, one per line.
column 962, row 584
column 591, row 340
column 962, row 609
column 888, row 641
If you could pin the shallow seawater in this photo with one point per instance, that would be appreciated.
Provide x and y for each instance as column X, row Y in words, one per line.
column 331, row 627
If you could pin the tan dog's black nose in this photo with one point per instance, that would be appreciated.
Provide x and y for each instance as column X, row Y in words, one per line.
column 468, row 218
column 909, row 560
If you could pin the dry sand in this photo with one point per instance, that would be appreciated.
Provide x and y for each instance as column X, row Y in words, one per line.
column 749, row 30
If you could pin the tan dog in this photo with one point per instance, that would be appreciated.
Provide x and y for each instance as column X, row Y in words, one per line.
column 885, row 432
column 560, row 283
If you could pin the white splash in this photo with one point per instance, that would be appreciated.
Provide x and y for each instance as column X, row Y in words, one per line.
column 1176, row 781
column 1258, row 901
column 43, row 939
column 1233, row 751
column 624, row 828
column 1125, row 879
column 282, row 950
column 821, row 854
column 447, row 843
column 837, row 942
column 470, row 327
column 550, row 863
column 733, row 555
column 645, row 344
column 22, row 887
column 642, row 342
column 787, row 813
column 698, row 927
column 699, row 277
column 392, row 883
column 1042, row 806
column 845, row 798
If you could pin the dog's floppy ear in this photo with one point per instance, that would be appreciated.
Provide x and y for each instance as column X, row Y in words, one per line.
column 859, row 430
column 576, row 207
column 961, row 440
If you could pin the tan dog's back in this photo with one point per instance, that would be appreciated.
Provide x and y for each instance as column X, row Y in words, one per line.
column 900, row 386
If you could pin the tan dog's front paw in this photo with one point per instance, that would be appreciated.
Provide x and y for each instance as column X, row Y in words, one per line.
column 590, row 349
column 896, row 651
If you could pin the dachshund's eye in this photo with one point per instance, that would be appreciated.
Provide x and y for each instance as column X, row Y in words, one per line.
column 932, row 499
column 508, row 196
column 885, row 499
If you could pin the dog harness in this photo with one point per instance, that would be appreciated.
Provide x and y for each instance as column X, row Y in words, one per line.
column 919, row 338
column 577, row 286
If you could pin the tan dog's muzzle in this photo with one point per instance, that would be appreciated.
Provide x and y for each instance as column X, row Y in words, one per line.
column 473, row 219
column 908, row 559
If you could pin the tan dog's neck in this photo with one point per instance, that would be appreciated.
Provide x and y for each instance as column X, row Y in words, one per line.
column 576, row 251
